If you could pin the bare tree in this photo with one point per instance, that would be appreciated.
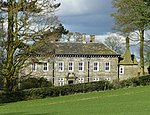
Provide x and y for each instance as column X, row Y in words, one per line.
column 132, row 15
column 25, row 22
column 114, row 42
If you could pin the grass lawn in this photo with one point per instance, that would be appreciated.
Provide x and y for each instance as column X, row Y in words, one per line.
column 132, row 101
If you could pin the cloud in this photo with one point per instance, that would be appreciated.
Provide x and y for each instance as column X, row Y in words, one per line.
column 79, row 7
column 86, row 16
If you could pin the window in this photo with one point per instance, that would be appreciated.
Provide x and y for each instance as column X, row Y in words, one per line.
column 33, row 66
column 60, row 66
column 96, row 66
column 106, row 78
column 45, row 67
column 70, row 66
column 96, row 79
column 107, row 66
column 61, row 81
column 121, row 71
column 81, row 66
column 81, row 80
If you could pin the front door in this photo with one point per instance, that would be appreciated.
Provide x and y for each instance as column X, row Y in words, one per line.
column 70, row 82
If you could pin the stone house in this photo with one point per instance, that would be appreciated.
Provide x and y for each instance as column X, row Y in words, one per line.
column 72, row 63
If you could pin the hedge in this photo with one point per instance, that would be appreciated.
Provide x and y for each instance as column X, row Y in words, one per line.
column 38, row 93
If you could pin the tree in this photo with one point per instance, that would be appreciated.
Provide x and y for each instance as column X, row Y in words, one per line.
column 132, row 15
column 26, row 21
column 114, row 42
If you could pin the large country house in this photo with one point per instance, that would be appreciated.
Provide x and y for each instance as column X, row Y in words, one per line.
column 72, row 63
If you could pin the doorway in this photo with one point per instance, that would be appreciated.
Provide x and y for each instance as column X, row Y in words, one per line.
column 70, row 82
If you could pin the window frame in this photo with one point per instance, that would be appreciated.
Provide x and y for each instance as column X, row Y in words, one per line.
column 81, row 80
column 107, row 66
column 72, row 66
column 33, row 65
column 60, row 66
column 45, row 66
column 121, row 70
column 97, row 66
column 61, row 81
column 81, row 67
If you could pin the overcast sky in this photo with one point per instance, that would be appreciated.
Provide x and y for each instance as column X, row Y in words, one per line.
column 86, row 16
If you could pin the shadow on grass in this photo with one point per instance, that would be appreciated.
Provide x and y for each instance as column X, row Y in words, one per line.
column 14, row 113
column 24, row 113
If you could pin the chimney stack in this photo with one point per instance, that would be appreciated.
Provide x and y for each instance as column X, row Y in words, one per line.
column 84, row 38
column 92, row 38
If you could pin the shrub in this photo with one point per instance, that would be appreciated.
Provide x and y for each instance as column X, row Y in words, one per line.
column 36, row 93
column 144, row 80
column 35, row 83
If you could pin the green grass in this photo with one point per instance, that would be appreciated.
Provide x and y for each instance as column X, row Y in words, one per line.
column 132, row 101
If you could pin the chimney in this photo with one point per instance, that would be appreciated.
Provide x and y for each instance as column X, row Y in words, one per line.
column 92, row 38
column 84, row 38
column 127, row 44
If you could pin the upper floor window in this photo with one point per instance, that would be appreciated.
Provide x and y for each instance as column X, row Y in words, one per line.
column 121, row 70
column 45, row 67
column 70, row 66
column 60, row 66
column 81, row 66
column 107, row 66
column 96, row 66
column 33, row 66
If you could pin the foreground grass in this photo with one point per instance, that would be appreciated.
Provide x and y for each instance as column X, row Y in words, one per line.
column 132, row 101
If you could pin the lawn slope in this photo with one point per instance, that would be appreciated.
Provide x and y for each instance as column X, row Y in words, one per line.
column 131, row 101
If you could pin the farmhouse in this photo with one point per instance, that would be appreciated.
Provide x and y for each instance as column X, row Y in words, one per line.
column 72, row 63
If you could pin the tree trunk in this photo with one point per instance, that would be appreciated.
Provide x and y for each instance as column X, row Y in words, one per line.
column 10, row 51
column 141, row 52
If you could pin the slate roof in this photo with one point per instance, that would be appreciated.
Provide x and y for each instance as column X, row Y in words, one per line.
column 74, row 48
column 45, row 46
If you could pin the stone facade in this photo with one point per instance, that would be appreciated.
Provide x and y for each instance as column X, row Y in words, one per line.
column 72, row 63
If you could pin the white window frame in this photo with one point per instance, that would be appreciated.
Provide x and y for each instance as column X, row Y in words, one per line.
column 81, row 80
column 107, row 67
column 96, row 66
column 121, row 70
column 33, row 67
column 60, row 67
column 81, row 67
column 61, row 81
column 45, row 66
column 70, row 66
column 106, row 78
column 96, row 79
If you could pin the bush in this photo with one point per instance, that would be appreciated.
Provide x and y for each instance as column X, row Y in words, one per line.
column 35, row 83
column 144, row 80
column 37, row 93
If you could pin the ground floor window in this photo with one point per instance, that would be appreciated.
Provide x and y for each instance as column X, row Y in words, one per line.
column 121, row 70
column 61, row 81
column 81, row 80
column 96, row 79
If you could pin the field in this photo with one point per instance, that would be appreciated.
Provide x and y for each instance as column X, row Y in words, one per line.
column 131, row 101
